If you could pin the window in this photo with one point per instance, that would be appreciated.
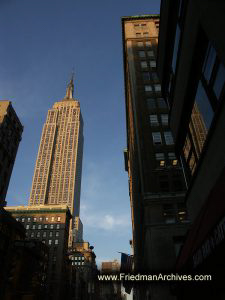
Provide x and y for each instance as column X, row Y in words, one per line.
column 160, row 157
column 219, row 81
column 56, row 242
column 23, row 220
column 137, row 26
column 152, row 63
column 161, row 103
column 150, row 53
column 28, row 219
column 169, row 213
column 141, row 53
column 40, row 219
column 148, row 44
column 168, row 138
column 140, row 44
column 50, row 233
column 51, row 226
column 203, row 106
column 156, row 136
column 175, row 49
column 146, row 34
column 172, row 158
column 157, row 87
column 38, row 234
column 53, row 219
column 17, row 219
column 39, row 226
column 164, row 119
column 57, row 226
column 209, row 62
column 154, row 76
column 144, row 64
column 35, row 219
column 46, row 219
column 27, row 226
column 148, row 88
column 57, row 233
column 49, row 242
column 182, row 212
column 44, row 234
column 146, row 76
column 58, row 219
column 138, row 34
column 46, row 226
column 33, row 227
column 154, row 120
column 32, row 234
column 151, row 103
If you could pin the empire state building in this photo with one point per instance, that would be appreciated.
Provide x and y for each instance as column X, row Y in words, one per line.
column 57, row 175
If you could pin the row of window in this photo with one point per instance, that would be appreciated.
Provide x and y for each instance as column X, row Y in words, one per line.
column 207, row 99
column 144, row 64
column 174, row 213
column 140, row 25
column 77, row 263
column 156, row 103
column 209, row 65
column 142, row 44
column 157, row 138
column 40, row 219
column 143, row 54
column 154, row 120
column 77, row 258
column 43, row 226
column 150, row 76
column 50, row 242
column 161, row 158
column 149, row 88
column 140, row 34
column 43, row 234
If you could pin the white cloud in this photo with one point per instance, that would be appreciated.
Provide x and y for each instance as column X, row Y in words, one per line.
column 103, row 221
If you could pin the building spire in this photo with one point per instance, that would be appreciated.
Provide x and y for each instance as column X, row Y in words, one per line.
column 70, row 88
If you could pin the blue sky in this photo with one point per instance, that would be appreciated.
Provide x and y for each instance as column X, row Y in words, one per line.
column 41, row 42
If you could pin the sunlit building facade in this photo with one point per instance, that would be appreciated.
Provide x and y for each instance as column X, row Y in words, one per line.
column 156, row 182
column 57, row 175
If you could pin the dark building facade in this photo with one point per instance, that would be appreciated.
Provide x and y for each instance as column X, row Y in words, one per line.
column 156, row 182
column 50, row 225
column 10, row 231
column 191, row 65
column 23, row 264
column 10, row 136
column 84, row 272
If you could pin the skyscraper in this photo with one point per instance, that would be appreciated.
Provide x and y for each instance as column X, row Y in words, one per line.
column 57, row 175
column 10, row 136
column 156, row 182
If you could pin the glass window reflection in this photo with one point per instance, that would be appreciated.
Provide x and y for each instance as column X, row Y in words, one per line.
column 204, row 106
column 175, row 49
column 219, row 81
column 209, row 62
